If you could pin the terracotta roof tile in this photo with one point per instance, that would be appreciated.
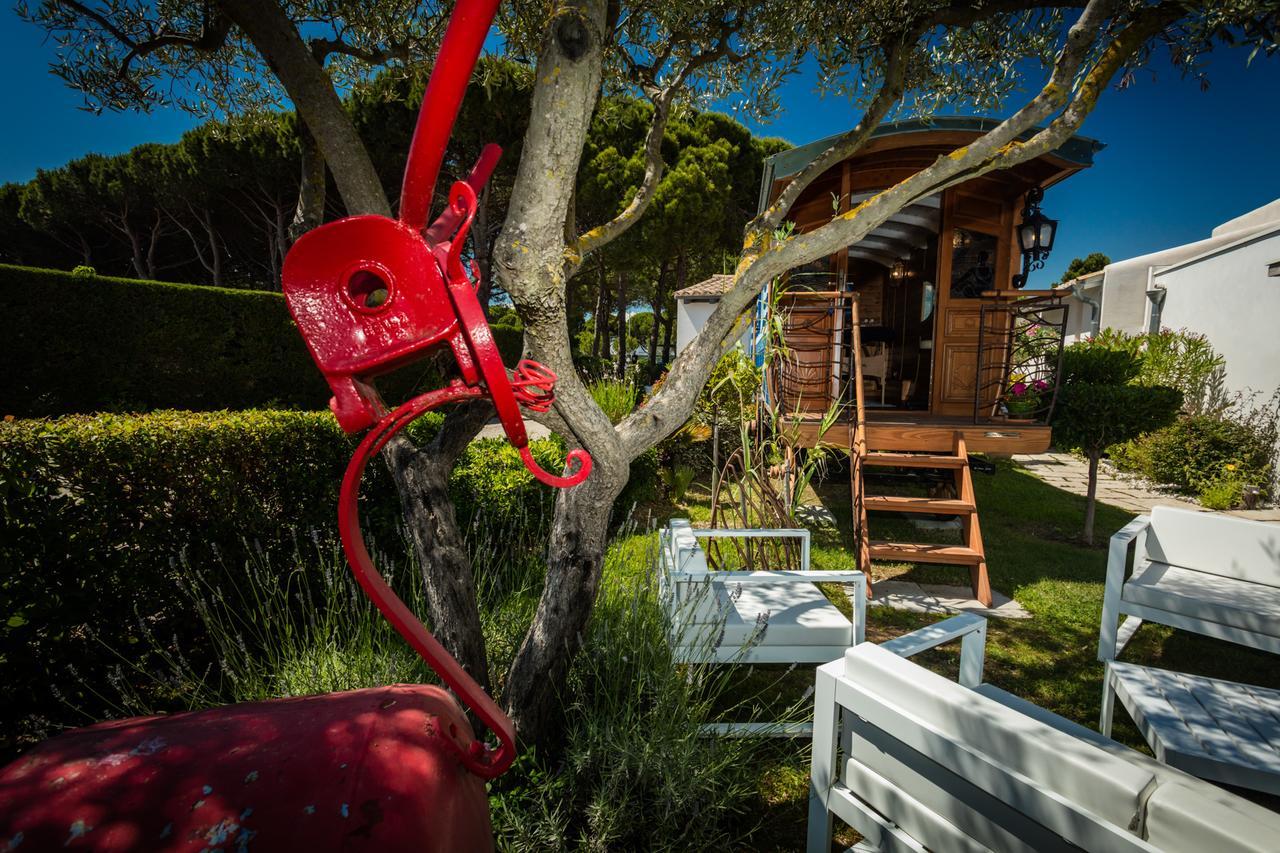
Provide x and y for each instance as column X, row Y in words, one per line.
column 717, row 285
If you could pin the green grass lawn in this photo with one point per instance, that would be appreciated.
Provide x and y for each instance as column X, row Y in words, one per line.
column 1031, row 532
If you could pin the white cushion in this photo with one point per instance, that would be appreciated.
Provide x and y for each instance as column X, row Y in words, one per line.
column 1215, row 543
column 1210, row 597
column 1080, row 773
column 1199, row 818
column 792, row 613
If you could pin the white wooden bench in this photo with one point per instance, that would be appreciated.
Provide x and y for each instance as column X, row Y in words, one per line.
column 1213, row 729
column 1204, row 572
column 753, row 617
column 914, row 762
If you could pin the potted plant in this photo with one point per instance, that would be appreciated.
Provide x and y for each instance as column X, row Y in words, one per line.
column 1022, row 400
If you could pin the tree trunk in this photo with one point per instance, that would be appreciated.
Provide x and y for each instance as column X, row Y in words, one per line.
column 666, row 337
column 602, row 318
column 682, row 276
column 596, row 312
column 1090, row 497
column 575, row 561
column 422, row 480
column 659, row 298
column 622, row 325
column 311, row 186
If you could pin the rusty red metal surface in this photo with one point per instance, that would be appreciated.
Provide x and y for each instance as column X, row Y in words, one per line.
column 363, row 770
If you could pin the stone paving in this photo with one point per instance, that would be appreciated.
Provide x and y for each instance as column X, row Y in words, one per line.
column 1134, row 494
column 936, row 598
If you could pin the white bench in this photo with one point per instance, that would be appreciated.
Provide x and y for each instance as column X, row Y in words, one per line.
column 914, row 761
column 752, row 617
column 1204, row 572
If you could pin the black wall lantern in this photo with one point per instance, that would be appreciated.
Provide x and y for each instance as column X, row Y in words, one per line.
column 1035, row 237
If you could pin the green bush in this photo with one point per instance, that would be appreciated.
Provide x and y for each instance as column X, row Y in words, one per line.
column 100, row 511
column 615, row 397
column 1224, row 492
column 1196, row 452
column 1176, row 359
column 72, row 342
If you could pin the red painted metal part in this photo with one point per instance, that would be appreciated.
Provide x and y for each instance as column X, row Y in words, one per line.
column 367, row 770
column 484, row 762
column 394, row 768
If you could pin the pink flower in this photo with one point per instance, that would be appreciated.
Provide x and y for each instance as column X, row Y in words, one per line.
column 1041, row 385
column 1018, row 389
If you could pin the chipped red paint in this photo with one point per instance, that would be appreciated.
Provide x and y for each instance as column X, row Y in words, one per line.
column 363, row 770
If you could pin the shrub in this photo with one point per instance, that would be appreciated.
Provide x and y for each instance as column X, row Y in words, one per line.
column 677, row 479
column 1197, row 451
column 99, row 512
column 73, row 342
column 1224, row 492
column 1099, row 406
column 84, row 271
column 1182, row 360
column 615, row 397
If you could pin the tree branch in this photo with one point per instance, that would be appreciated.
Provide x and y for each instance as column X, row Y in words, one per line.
column 312, row 92
column 764, row 260
column 600, row 236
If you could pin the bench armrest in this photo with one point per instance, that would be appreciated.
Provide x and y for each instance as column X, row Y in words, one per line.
column 969, row 628
column 1118, row 552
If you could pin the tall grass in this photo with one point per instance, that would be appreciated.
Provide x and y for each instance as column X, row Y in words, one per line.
column 615, row 397
column 633, row 771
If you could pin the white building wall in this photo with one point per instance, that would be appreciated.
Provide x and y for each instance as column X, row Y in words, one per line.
column 692, row 315
column 1227, row 296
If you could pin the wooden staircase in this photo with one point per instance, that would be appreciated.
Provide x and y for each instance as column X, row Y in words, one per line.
column 963, row 505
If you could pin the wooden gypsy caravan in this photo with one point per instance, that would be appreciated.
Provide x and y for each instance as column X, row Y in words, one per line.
column 919, row 333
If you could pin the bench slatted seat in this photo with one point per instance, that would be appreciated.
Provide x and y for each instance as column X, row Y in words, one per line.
column 1214, row 729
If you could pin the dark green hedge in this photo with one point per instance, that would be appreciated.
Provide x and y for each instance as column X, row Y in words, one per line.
column 76, row 343
column 86, row 343
column 97, row 511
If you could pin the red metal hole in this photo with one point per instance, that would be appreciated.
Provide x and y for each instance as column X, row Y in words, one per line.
column 368, row 290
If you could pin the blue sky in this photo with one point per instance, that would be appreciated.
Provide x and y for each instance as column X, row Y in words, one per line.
column 1177, row 162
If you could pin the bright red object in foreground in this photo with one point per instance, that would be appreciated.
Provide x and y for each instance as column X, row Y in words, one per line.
column 365, row 770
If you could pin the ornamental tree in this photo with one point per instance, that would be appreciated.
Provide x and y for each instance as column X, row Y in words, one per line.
column 1099, row 405
column 1043, row 64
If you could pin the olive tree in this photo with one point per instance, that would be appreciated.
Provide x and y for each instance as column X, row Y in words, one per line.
column 889, row 57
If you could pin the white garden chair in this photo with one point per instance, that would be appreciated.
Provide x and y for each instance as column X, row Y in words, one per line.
column 754, row 617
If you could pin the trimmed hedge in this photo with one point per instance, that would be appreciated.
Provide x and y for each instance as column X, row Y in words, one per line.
column 85, row 343
column 97, row 511
column 76, row 343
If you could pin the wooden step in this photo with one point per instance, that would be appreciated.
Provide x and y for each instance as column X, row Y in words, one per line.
column 911, row 552
column 914, row 460
column 922, row 505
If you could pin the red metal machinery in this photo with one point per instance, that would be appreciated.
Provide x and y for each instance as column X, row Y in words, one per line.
column 392, row 768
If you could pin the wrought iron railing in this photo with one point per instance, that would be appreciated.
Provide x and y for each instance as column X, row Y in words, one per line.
column 1019, row 362
column 813, row 370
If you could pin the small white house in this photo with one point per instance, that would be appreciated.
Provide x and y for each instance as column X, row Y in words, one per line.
column 694, row 305
column 1225, row 287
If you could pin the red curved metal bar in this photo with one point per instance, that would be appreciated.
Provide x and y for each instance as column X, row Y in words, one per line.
column 482, row 760
column 459, row 51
